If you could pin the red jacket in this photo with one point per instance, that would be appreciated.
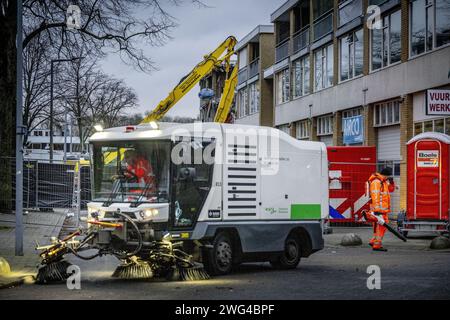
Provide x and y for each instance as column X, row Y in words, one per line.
column 142, row 169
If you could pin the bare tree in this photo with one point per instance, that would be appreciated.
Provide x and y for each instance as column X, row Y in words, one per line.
column 119, row 26
column 127, row 119
column 112, row 100
column 36, row 84
column 92, row 97
column 76, row 94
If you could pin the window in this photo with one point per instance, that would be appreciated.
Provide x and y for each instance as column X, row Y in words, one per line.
column 395, row 165
column 351, row 55
column 283, row 31
column 376, row 2
column 192, row 181
column 243, row 57
column 430, row 25
column 138, row 173
column 301, row 12
column 302, row 129
column 351, row 113
column 386, row 42
column 325, row 125
column 323, row 67
column 300, row 80
column 441, row 125
column 283, row 86
column 387, row 113
column 348, row 11
column 242, row 103
column 321, row 6
column 285, row 128
column 254, row 97
column 442, row 32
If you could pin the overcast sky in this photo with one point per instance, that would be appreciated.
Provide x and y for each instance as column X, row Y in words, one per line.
column 199, row 32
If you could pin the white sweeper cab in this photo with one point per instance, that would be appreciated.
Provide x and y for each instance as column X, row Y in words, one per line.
column 230, row 193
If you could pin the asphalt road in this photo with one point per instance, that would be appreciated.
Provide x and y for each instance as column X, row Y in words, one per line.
column 408, row 271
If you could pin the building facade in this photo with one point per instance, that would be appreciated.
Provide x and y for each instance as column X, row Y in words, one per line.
column 374, row 60
column 66, row 144
column 254, row 95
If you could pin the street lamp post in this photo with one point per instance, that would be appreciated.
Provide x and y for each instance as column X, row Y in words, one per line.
column 19, row 135
column 51, row 99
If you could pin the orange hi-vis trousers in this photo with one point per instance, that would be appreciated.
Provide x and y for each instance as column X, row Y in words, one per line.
column 378, row 230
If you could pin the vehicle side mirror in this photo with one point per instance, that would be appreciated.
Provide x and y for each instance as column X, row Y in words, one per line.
column 186, row 173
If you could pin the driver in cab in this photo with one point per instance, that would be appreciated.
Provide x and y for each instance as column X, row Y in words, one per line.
column 138, row 171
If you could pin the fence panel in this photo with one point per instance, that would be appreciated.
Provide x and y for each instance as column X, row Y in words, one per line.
column 45, row 185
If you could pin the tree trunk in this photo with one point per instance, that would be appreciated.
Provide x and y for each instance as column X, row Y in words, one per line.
column 8, row 55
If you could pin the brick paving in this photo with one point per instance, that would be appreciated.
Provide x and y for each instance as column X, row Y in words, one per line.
column 38, row 226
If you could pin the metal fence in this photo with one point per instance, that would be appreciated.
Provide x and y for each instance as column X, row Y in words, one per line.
column 46, row 185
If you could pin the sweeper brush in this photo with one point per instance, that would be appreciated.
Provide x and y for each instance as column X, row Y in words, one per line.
column 53, row 272
column 133, row 269
column 193, row 273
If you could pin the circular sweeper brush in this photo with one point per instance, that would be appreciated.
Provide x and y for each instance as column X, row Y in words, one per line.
column 193, row 273
column 133, row 269
column 53, row 272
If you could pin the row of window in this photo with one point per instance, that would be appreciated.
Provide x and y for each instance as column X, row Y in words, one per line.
column 46, row 133
column 303, row 128
column 57, row 146
column 384, row 114
column 437, row 125
column 430, row 29
column 248, row 101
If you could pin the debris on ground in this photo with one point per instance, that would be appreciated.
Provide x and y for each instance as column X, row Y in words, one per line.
column 440, row 243
column 351, row 239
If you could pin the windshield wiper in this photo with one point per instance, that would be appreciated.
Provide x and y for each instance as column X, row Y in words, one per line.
column 138, row 200
column 117, row 187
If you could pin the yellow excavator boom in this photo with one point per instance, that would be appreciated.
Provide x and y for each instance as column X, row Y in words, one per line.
column 226, row 101
column 215, row 58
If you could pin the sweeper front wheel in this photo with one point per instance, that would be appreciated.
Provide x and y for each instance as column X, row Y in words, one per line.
column 219, row 259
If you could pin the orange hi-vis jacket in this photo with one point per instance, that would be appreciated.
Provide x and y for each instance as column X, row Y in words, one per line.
column 379, row 189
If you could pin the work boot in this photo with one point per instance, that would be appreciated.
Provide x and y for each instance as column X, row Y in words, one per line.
column 380, row 249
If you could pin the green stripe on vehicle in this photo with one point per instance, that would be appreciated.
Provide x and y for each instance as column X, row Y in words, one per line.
column 305, row 211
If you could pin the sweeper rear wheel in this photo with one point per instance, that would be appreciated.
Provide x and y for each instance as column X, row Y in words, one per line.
column 291, row 256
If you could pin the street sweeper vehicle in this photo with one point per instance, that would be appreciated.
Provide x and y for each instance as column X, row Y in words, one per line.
column 188, row 201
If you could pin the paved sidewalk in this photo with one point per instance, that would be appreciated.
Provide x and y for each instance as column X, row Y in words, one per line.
column 421, row 241
column 38, row 226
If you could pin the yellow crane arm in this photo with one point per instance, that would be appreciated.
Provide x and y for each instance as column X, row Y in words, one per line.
column 210, row 61
column 226, row 101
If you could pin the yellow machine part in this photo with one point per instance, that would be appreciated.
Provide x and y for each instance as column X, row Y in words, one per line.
column 187, row 83
column 226, row 100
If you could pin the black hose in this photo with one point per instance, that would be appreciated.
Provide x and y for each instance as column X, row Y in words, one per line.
column 82, row 257
column 139, row 246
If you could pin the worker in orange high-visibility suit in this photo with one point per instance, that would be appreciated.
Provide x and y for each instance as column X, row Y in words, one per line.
column 139, row 171
column 379, row 187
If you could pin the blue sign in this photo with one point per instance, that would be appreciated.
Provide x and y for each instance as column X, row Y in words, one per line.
column 353, row 130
